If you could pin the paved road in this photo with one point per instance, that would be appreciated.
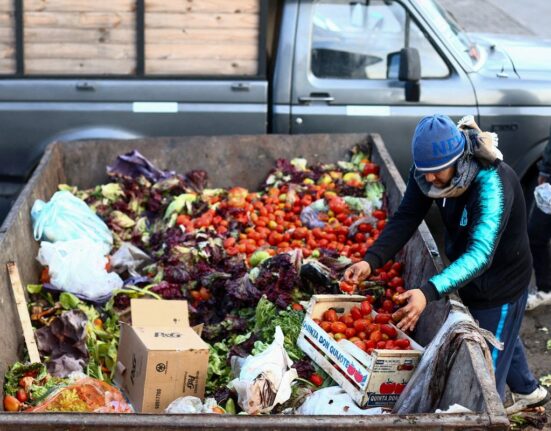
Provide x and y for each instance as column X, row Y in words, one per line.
column 529, row 17
column 484, row 16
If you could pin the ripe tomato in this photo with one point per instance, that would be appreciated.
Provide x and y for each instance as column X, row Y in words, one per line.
column 366, row 308
column 402, row 343
column 381, row 224
column 389, row 345
column 182, row 219
column 21, row 395
column 379, row 214
column 361, row 345
column 331, row 315
column 365, row 228
column 388, row 305
column 316, row 379
column 383, row 318
column 370, row 168
column 360, row 325
column 339, row 336
column 326, row 326
column 337, row 327
column 344, row 286
column 370, row 299
column 376, row 336
column 11, row 404
column 347, row 320
column 356, row 312
column 381, row 345
column 297, row 307
column 349, row 332
column 397, row 266
column 389, row 330
column 370, row 344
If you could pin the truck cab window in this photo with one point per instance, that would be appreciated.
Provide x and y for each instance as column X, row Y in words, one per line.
column 353, row 40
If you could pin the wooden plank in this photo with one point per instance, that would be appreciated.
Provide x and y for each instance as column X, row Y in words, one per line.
column 79, row 51
column 202, row 36
column 6, row 19
column 201, row 67
column 200, row 20
column 6, row 5
column 73, row 35
column 191, row 51
column 40, row 66
column 79, row 5
column 7, row 66
column 7, row 50
column 23, row 312
column 7, row 35
column 80, row 19
column 212, row 6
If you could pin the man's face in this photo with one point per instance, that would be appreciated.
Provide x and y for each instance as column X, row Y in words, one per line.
column 441, row 178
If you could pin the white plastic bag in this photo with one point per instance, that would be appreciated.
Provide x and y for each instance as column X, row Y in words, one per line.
column 129, row 258
column 65, row 217
column 78, row 267
column 265, row 379
column 542, row 193
column 333, row 401
column 190, row 404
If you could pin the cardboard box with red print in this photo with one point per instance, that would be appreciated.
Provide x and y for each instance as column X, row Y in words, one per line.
column 375, row 379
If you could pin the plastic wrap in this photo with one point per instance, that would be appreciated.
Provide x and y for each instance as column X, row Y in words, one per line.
column 428, row 383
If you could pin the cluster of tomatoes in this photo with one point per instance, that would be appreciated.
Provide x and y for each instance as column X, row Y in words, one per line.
column 273, row 223
column 271, row 220
column 19, row 401
column 360, row 327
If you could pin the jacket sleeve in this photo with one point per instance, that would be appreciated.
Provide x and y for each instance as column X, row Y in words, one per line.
column 490, row 215
column 544, row 165
column 401, row 225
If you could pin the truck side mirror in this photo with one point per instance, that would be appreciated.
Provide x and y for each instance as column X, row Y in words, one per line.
column 410, row 72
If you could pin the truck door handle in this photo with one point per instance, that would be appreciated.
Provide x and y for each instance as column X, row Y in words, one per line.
column 316, row 97
column 241, row 86
column 84, row 86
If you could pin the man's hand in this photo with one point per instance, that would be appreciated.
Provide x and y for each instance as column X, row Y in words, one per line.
column 409, row 314
column 357, row 272
column 542, row 179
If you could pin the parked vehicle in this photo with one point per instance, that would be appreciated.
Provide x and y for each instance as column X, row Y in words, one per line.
column 254, row 66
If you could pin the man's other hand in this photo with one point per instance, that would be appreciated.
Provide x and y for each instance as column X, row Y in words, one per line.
column 409, row 314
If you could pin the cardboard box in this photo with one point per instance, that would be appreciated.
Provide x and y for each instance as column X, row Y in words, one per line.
column 371, row 380
column 160, row 356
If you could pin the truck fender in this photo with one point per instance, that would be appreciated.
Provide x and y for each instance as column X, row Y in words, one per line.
column 97, row 132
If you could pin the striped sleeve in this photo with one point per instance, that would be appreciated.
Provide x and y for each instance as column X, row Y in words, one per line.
column 490, row 216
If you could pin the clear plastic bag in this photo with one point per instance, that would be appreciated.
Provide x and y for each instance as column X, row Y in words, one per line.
column 78, row 267
column 86, row 395
column 65, row 217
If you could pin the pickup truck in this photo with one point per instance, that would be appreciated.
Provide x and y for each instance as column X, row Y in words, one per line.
column 323, row 66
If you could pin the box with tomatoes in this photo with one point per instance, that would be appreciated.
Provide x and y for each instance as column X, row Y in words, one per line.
column 360, row 349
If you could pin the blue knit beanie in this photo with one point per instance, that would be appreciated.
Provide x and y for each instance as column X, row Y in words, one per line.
column 437, row 143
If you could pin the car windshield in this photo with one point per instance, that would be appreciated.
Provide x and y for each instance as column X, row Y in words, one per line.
column 448, row 27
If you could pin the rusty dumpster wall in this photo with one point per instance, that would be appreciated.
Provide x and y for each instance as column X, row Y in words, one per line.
column 229, row 161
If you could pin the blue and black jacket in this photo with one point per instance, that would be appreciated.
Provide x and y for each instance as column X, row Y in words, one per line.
column 486, row 238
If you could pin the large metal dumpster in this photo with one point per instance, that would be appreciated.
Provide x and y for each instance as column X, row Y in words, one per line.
column 234, row 160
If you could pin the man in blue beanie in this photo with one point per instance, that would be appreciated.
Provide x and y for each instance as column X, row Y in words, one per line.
column 480, row 200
